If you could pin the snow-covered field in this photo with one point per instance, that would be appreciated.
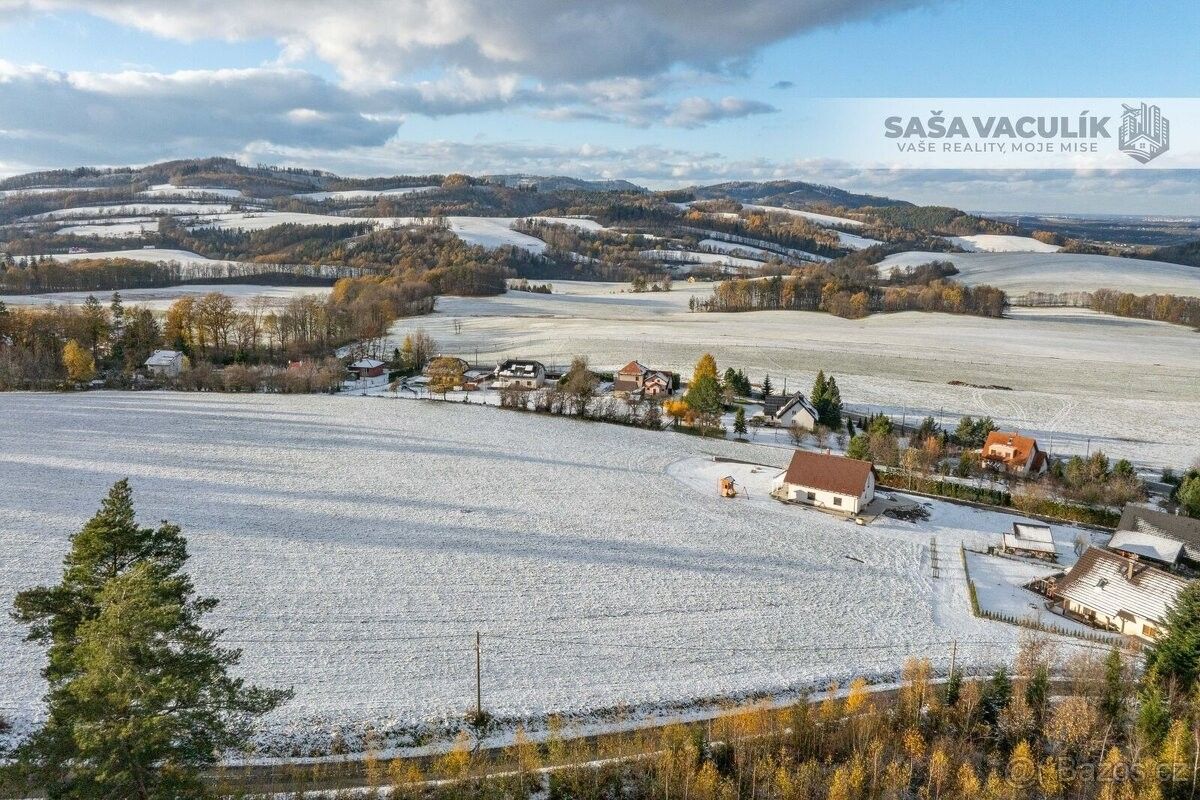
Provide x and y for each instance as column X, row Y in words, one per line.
column 160, row 299
column 811, row 216
column 363, row 194
column 358, row 544
column 132, row 210
column 999, row 243
column 738, row 249
column 152, row 254
column 1017, row 273
column 855, row 242
column 1084, row 379
column 170, row 190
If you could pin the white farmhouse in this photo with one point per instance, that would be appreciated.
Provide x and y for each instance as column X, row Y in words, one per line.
column 782, row 411
column 517, row 373
column 827, row 481
column 167, row 363
column 1118, row 593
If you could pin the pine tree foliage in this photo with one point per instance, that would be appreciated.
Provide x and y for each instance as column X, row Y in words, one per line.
column 140, row 699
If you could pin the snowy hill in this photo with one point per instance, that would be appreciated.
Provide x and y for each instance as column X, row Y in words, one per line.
column 1017, row 273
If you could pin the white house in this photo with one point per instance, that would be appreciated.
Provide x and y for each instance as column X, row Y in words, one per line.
column 1117, row 593
column 783, row 410
column 827, row 481
column 516, row 373
column 167, row 363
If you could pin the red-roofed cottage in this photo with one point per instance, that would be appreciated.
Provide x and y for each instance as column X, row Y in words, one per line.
column 827, row 481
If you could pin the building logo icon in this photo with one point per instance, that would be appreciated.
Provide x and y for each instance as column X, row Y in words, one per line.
column 1145, row 132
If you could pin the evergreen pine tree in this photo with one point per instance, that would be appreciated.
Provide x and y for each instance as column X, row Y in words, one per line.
column 819, row 391
column 1154, row 717
column 1112, row 695
column 831, row 414
column 739, row 421
column 850, row 427
column 1174, row 658
column 139, row 699
column 767, row 388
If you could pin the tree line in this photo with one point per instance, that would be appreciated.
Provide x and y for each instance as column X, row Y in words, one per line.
column 817, row 288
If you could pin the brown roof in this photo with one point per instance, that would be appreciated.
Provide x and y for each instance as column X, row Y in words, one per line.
column 830, row 473
column 1022, row 446
column 633, row 368
column 1102, row 581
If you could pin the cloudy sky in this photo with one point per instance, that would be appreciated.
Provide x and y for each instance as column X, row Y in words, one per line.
column 663, row 92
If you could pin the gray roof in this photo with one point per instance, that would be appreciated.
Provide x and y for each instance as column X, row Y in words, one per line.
column 776, row 405
column 1035, row 538
column 1147, row 545
column 1100, row 581
column 163, row 358
column 1173, row 526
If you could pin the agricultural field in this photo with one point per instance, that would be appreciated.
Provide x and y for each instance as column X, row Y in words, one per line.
column 358, row 544
column 160, row 299
column 1017, row 273
column 1082, row 379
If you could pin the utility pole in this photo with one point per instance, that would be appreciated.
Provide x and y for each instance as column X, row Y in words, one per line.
column 478, row 679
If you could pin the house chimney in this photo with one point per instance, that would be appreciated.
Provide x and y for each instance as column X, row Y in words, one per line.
column 1129, row 563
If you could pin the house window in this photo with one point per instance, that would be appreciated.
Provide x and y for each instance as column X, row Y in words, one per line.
column 1149, row 631
column 837, row 501
column 812, row 495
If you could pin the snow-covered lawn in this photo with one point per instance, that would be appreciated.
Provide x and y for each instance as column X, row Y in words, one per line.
column 1060, row 272
column 358, row 544
column 1128, row 386
column 1000, row 588
column 999, row 243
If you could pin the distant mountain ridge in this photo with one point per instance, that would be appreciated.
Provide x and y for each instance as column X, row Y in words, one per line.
column 268, row 181
column 791, row 194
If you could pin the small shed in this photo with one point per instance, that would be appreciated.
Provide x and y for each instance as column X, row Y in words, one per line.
column 1030, row 540
column 367, row 368
column 167, row 363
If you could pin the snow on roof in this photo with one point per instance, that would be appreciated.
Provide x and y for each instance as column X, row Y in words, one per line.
column 366, row 363
column 163, row 358
column 1035, row 538
column 1147, row 545
column 1160, row 523
column 1101, row 581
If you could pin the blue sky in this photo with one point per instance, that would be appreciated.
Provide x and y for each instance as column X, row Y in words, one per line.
column 663, row 92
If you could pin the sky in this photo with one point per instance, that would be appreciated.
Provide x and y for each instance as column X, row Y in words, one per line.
column 660, row 92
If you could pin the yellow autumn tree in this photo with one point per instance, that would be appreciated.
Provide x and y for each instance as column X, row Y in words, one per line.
column 705, row 367
column 78, row 362
column 967, row 782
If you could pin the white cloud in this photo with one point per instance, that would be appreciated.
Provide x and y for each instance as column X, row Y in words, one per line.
column 373, row 41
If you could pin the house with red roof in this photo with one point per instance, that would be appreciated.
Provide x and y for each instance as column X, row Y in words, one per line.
column 835, row 483
column 1013, row 453
column 637, row 380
